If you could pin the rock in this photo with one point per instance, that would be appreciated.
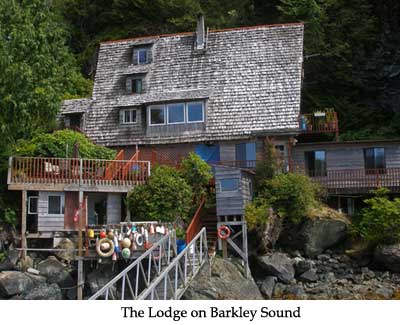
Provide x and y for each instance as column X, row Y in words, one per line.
column 323, row 257
column 308, row 276
column 99, row 278
column 279, row 265
column 267, row 286
column 10, row 262
column 55, row 272
column 296, row 291
column 44, row 292
column 279, row 290
column 227, row 281
column 36, row 279
column 302, row 265
column 388, row 256
column 14, row 283
column 384, row 292
column 25, row 263
column 69, row 254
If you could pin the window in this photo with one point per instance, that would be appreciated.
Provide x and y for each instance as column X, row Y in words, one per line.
column 128, row 116
column 246, row 155
column 316, row 163
column 157, row 115
column 374, row 160
column 33, row 205
column 142, row 56
column 137, row 86
column 229, row 185
column 195, row 112
column 55, row 206
column 176, row 113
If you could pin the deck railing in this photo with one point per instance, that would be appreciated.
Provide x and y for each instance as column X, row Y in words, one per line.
column 357, row 180
column 39, row 170
column 245, row 164
column 195, row 224
column 324, row 122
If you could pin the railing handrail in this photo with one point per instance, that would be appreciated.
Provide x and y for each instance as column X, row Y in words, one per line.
column 175, row 261
column 194, row 225
column 78, row 159
column 157, row 245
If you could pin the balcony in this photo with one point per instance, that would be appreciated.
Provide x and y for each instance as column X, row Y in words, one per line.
column 319, row 122
column 29, row 173
column 352, row 181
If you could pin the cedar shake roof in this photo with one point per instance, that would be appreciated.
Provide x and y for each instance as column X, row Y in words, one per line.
column 249, row 77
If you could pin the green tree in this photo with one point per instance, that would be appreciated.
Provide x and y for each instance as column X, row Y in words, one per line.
column 165, row 197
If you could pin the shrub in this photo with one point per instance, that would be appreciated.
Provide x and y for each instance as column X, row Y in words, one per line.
column 291, row 195
column 166, row 197
column 380, row 221
column 61, row 144
column 196, row 172
column 256, row 213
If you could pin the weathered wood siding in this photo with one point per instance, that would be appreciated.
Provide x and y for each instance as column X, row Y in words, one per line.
column 46, row 221
column 175, row 129
column 113, row 208
column 347, row 156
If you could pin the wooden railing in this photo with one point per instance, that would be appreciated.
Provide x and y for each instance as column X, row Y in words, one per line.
column 196, row 223
column 326, row 122
column 38, row 170
column 111, row 169
column 357, row 180
column 245, row 164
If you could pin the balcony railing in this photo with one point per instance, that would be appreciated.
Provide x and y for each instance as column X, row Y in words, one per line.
column 91, row 172
column 323, row 122
column 245, row 164
column 358, row 180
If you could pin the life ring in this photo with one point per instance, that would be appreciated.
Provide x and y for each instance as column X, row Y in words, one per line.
column 110, row 250
column 138, row 239
column 224, row 232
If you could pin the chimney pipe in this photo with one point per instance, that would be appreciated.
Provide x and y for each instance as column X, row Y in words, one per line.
column 200, row 34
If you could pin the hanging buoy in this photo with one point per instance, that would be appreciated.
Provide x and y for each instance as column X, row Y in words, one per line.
column 134, row 229
column 126, row 243
column 126, row 253
column 105, row 247
column 110, row 235
column 223, row 232
column 114, row 256
column 117, row 250
column 120, row 236
column 91, row 233
column 146, row 235
column 139, row 240
column 102, row 234
column 151, row 229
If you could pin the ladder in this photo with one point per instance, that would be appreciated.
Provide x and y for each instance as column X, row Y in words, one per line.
column 159, row 273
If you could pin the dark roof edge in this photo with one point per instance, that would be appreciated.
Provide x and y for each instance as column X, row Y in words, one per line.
column 349, row 142
column 211, row 31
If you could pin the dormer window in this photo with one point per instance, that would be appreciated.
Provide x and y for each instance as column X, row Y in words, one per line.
column 141, row 55
column 135, row 84
column 128, row 116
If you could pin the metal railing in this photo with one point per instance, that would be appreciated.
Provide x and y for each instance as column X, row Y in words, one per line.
column 140, row 274
column 175, row 279
column 39, row 170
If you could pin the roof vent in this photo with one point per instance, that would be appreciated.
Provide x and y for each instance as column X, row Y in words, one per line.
column 201, row 37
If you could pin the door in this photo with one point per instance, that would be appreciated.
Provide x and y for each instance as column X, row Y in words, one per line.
column 72, row 210
column 209, row 154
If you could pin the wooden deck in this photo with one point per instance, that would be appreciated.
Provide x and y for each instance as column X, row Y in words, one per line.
column 326, row 122
column 353, row 181
column 61, row 173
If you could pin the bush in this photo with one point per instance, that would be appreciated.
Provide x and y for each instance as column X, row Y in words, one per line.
column 61, row 144
column 166, row 197
column 256, row 213
column 196, row 172
column 292, row 195
column 380, row 221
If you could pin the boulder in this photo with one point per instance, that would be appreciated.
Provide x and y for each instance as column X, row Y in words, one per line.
column 295, row 291
column 227, row 281
column 308, row 276
column 267, row 286
column 388, row 256
column 10, row 262
column 69, row 250
column 99, row 278
column 14, row 283
column 279, row 265
column 302, row 265
column 44, row 292
column 55, row 272
column 385, row 293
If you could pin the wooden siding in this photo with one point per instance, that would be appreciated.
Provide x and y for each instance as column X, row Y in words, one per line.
column 46, row 221
column 71, row 206
column 175, row 129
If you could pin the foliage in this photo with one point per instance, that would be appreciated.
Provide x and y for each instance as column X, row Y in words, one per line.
column 166, row 197
column 291, row 195
column 256, row 213
column 268, row 166
column 61, row 144
column 2, row 256
column 380, row 221
column 196, row 172
column 9, row 216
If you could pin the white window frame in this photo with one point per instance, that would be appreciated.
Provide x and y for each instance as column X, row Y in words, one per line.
column 61, row 204
column 184, row 113
column 123, row 111
column 29, row 204
column 157, row 107
column 187, row 112
column 233, row 191
column 138, row 56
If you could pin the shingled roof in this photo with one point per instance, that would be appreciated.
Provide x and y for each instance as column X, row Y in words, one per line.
column 250, row 77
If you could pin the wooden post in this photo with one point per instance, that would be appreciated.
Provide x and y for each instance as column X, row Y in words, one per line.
column 224, row 249
column 23, row 223
column 80, row 248
column 245, row 249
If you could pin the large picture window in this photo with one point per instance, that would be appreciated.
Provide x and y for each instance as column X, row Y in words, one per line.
column 157, row 115
column 374, row 160
column 316, row 163
column 195, row 112
column 176, row 113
